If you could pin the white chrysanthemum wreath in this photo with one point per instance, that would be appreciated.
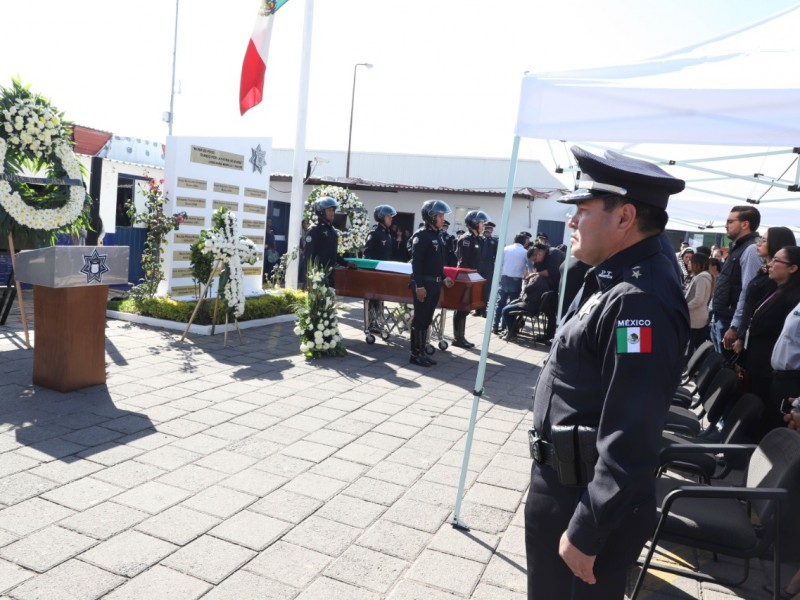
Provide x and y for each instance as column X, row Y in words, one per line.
column 34, row 137
column 355, row 236
column 231, row 250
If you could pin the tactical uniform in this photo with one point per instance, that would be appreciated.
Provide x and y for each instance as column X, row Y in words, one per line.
column 486, row 268
column 601, row 399
column 468, row 251
column 379, row 246
column 450, row 245
column 322, row 247
column 379, row 243
column 428, row 253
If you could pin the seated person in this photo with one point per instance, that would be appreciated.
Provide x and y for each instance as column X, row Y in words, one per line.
column 544, row 279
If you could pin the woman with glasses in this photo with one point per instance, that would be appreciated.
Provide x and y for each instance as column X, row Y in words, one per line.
column 761, row 285
column 765, row 328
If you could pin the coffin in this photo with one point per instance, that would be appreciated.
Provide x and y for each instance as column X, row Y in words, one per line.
column 393, row 287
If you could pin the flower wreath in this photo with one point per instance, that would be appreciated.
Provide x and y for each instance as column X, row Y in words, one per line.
column 354, row 238
column 34, row 137
column 231, row 249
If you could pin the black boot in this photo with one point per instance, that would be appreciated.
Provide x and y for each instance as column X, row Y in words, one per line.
column 424, row 346
column 459, row 324
column 418, row 356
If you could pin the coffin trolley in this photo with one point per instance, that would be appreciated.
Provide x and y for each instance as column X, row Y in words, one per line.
column 388, row 281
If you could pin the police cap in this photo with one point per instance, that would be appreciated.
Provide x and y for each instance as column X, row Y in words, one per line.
column 617, row 175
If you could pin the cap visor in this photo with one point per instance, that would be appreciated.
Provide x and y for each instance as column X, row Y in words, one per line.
column 583, row 195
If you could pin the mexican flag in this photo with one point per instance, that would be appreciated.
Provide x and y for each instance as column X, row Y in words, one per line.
column 251, row 85
column 636, row 340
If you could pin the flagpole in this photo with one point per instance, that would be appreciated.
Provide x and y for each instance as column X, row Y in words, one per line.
column 297, row 201
column 174, row 60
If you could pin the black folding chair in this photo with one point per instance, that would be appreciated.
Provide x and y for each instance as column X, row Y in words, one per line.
column 720, row 519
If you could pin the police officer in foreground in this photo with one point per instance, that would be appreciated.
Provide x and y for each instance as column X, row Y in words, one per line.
column 379, row 246
column 468, row 250
column 603, row 393
column 428, row 255
column 322, row 238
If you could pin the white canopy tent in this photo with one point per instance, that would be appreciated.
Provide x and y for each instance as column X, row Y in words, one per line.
column 740, row 89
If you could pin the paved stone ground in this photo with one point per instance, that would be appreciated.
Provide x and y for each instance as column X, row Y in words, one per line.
column 248, row 472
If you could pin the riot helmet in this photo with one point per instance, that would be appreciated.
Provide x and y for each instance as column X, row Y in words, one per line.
column 323, row 203
column 431, row 208
column 383, row 210
column 474, row 218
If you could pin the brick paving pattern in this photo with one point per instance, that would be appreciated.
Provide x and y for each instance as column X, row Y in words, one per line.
column 250, row 472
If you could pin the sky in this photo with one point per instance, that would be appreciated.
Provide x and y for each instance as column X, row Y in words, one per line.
column 445, row 80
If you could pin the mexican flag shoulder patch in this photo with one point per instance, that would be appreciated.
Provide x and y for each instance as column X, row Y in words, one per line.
column 634, row 340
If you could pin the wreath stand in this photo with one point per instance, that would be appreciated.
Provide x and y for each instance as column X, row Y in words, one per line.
column 18, row 285
column 214, row 272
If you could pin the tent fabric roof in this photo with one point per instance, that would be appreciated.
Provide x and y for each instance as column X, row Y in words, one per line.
column 740, row 90
column 737, row 89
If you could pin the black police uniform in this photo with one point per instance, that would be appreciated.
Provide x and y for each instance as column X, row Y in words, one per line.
column 450, row 244
column 428, row 255
column 379, row 246
column 613, row 366
column 486, row 268
column 322, row 247
column 379, row 243
column 469, row 251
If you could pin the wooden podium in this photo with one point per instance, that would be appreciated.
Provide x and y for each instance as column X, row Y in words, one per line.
column 70, row 291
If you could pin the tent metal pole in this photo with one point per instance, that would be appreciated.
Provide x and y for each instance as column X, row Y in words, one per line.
column 563, row 282
column 487, row 334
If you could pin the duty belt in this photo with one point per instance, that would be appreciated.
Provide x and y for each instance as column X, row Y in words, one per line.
column 542, row 452
column 431, row 278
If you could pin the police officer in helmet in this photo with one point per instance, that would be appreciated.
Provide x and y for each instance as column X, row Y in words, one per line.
column 602, row 396
column 450, row 242
column 379, row 245
column 322, row 238
column 428, row 255
column 468, row 250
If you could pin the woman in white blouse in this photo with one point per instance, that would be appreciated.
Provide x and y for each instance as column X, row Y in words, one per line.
column 698, row 295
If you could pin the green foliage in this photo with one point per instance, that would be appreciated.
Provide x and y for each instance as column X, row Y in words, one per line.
column 201, row 262
column 317, row 322
column 261, row 307
column 158, row 225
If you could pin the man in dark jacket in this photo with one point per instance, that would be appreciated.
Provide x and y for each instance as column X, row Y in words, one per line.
column 742, row 264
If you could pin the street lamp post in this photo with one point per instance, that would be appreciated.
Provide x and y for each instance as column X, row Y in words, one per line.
column 352, row 106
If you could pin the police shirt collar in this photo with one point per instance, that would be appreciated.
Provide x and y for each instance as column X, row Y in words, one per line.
column 611, row 270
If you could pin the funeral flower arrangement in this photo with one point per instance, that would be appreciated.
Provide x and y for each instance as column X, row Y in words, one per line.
column 35, row 142
column 351, row 240
column 159, row 224
column 355, row 236
column 317, row 323
column 230, row 250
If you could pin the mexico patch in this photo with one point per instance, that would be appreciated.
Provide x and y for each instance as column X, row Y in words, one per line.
column 634, row 340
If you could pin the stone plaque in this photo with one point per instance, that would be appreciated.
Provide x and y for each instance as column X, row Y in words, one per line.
column 255, row 193
column 188, row 202
column 255, row 209
column 195, row 221
column 217, row 158
column 186, row 238
column 192, row 184
column 231, row 206
column 226, row 188
column 184, row 290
